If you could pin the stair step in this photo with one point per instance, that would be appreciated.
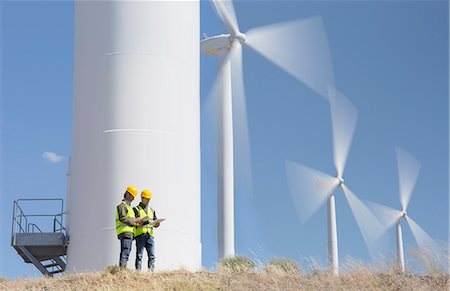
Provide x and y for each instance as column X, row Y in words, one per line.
column 51, row 265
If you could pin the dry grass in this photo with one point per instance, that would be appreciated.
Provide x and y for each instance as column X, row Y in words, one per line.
column 236, row 264
column 281, row 267
column 114, row 278
column 241, row 273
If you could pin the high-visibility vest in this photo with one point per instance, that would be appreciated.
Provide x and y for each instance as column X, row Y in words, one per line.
column 148, row 228
column 123, row 227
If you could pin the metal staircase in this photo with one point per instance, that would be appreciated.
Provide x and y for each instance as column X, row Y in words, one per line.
column 45, row 249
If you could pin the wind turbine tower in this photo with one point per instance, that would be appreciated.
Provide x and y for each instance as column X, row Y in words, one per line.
column 136, row 121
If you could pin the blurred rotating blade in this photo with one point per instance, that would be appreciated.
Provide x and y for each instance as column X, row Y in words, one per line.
column 242, row 156
column 225, row 9
column 408, row 171
column 299, row 47
column 343, row 120
column 424, row 241
column 209, row 115
column 387, row 216
column 371, row 229
column 309, row 188
column 208, row 129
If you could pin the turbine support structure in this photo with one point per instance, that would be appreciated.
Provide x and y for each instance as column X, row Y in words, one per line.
column 225, row 166
column 332, row 237
column 400, row 254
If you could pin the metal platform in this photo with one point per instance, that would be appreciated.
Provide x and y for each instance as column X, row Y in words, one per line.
column 46, row 250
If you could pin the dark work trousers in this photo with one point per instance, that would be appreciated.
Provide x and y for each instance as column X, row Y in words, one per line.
column 145, row 241
column 125, row 250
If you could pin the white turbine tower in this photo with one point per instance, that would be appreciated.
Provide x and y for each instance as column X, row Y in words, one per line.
column 311, row 188
column 136, row 121
column 408, row 171
column 298, row 47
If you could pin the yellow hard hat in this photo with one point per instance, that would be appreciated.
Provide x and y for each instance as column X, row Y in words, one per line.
column 146, row 194
column 132, row 190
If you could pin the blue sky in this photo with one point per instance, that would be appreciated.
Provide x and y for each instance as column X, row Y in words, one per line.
column 390, row 59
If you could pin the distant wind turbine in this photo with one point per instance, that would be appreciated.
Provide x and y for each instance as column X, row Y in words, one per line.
column 298, row 47
column 408, row 171
column 310, row 188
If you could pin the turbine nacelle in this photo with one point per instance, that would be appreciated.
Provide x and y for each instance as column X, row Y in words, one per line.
column 401, row 215
column 215, row 44
column 340, row 183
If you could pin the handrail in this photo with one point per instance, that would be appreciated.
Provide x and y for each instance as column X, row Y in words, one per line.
column 55, row 220
column 34, row 226
column 17, row 207
column 21, row 223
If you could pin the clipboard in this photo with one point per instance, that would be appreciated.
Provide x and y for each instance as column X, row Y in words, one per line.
column 153, row 222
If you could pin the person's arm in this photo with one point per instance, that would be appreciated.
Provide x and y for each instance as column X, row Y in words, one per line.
column 137, row 214
column 145, row 220
column 122, row 210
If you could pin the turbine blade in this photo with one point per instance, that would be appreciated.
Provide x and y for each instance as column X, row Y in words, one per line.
column 209, row 115
column 424, row 241
column 408, row 171
column 300, row 48
column 225, row 9
column 209, row 131
column 370, row 227
column 309, row 188
column 242, row 156
column 387, row 216
column 343, row 120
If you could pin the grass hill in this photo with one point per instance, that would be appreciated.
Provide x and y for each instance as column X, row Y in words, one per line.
column 236, row 274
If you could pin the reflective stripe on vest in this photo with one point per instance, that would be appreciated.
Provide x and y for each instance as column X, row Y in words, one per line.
column 144, row 228
column 123, row 227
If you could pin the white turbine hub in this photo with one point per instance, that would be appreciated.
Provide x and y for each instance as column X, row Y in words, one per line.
column 241, row 37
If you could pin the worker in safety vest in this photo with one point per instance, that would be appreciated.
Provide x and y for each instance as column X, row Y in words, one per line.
column 144, row 232
column 125, row 223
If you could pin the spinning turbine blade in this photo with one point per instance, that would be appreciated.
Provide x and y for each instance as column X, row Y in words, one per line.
column 242, row 155
column 210, row 111
column 408, row 170
column 370, row 227
column 309, row 188
column 298, row 47
column 209, row 108
column 387, row 216
column 343, row 120
column 210, row 103
column 236, row 69
column 225, row 9
column 424, row 241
